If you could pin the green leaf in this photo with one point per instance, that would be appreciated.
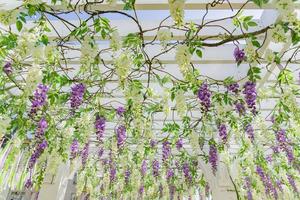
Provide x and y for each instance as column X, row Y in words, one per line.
column 295, row 37
column 199, row 53
column 252, row 23
column 44, row 39
column 255, row 43
column 248, row 18
column 19, row 25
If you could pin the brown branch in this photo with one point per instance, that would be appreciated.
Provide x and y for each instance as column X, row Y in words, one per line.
column 236, row 37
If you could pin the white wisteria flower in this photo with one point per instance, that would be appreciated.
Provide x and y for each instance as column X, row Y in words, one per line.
column 181, row 106
column 89, row 51
column 164, row 35
column 250, row 52
column 269, row 56
column 38, row 53
column 183, row 58
column 123, row 64
column 278, row 34
column 177, row 11
column 4, row 124
column 26, row 43
column 34, row 77
column 8, row 17
column 285, row 6
column 115, row 41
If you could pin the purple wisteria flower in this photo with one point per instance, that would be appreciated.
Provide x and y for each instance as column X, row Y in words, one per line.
column 233, row 87
column 240, row 108
column 41, row 144
column 77, row 92
column 223, row 132
column 170, row 174
column 172, row 190
column 239, row 55
column 248, row 188
column 213, row 158
column 186, row 172
column 292, row 183
column 85, row 154
column 265, row 178
column 74, row 149
column 141, row 189
column 127, row 176
column 250, row 132
column 120, row 111
column 100, row 127
column 28, row 183
column 155, row 168
column 153, row 143
column 284, row 144
column 7, row 68
column 112, row 173
column 100, row 152
column 250, row 94
column 121, row 135
column 179, row 144
column 37, row 153
column 41, row 128
column 39, row 98
column 144, row 168
column 166, row 151
column 204, row 95
column 279, row 185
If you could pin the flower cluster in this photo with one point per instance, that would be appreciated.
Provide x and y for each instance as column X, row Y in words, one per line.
column 240, row 108
column 85, row 154
column 120, row 111
column 186, row 172
column 164, row 35
column 284, row 144
column 121, row 135
column 144, row 168
column 115, row 43
column 179, row 144
column 181, row 106
column 7, row 68
column 166, row 151
column 41, row 143
column 155, row 168
column 77, row 93
column 74, row 149
column 223, row 132
column 278, row 34
column 127, row 176
column 183, row 58
column 34, row 76
column 213, row 158
column 239, row 55
column 123, row 64
column 250, row 132
column 292, row 183
column 37, row 153
column 233, row 87
column 250, row 94
column 170, row 173
column 39, row 98
column 265, row 178
column 248, row 188
column 177, row 11
column 204, row 95
column 100, row 127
